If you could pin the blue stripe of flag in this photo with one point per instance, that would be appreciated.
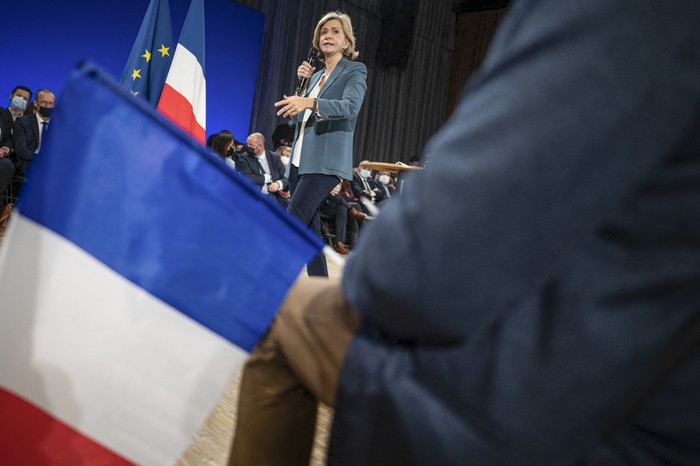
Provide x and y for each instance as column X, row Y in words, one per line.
column 192, row 35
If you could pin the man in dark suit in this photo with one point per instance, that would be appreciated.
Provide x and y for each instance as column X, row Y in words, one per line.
column 264, row 168
column 19, row 98
column 364, row 188
column 30, row 129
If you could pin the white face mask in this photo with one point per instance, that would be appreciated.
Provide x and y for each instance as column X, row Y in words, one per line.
column 364, row 173
column 285, row 159
column 384, row 179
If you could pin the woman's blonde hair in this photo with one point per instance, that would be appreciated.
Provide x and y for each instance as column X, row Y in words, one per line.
column 344, row 19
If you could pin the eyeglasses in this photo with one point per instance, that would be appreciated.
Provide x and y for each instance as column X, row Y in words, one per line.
column 46, row 103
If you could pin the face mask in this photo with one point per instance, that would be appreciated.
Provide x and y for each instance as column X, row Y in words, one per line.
column 229, row 153
column 384, row 179
column 364, row 173
column 45, row 112
column 250, row 151
column 285, row 159
column 18, row 103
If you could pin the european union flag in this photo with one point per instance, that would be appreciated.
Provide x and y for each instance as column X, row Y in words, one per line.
column 151, row 55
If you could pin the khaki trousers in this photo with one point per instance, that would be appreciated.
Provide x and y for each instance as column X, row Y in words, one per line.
column 293, row 367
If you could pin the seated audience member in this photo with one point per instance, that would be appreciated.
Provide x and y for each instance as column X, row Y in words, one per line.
column 239, row 146
column 19, row 98
column 30, row 129
column 384, row 188
column 222, row 145
column 346, row 218
column 548, row 313
column 264, row 168
column 285, row 152
column 413, row 161
column 235, row 156
column 238, row 150
column 348, row 194
column 283, row 135
column 356, row 211
column 363, row 186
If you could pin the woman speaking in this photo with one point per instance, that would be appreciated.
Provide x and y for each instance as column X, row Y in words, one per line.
column 325, row 117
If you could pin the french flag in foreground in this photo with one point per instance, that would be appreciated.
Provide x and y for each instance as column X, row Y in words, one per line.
column 136, row 273
column 184, row 96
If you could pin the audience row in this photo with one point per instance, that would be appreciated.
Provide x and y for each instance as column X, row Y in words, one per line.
column 343, row 212
column 24, row 122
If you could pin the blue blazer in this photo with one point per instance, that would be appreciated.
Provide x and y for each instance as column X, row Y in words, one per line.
column 327, row 146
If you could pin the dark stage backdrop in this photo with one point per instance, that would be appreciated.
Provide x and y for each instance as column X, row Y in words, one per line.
column 403, row 107
column 44, row 39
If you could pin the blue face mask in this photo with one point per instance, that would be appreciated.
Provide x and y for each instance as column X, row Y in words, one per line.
column 18, row 103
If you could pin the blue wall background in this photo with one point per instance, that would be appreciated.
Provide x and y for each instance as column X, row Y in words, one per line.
column 45, row 39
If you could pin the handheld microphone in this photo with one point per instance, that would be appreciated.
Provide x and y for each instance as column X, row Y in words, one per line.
column 313, row 53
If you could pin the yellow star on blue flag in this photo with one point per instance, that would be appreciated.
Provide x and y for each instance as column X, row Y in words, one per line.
column 144, row 74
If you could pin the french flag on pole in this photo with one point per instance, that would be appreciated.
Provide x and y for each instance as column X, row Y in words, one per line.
column 184, row 97
column 136, row 273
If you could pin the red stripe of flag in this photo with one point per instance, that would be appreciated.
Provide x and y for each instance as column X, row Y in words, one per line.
column 179, row 110
column 30, row 436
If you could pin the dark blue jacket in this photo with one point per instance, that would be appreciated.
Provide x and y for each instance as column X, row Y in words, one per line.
column 7, row 126
column 252, row 169
column 508, row 321
column 26, row 140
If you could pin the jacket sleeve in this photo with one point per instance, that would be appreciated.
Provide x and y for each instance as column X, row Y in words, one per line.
column 280, row 172
column 248, row 168
column 6, row 124
column 566, row 118
column 348, row 106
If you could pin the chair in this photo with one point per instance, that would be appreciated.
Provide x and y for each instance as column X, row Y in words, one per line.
column 328, row 229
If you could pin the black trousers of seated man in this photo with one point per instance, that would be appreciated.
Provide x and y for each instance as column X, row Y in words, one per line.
column 346, row 226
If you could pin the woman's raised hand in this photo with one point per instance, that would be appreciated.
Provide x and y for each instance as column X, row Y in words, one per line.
column 305, row 70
